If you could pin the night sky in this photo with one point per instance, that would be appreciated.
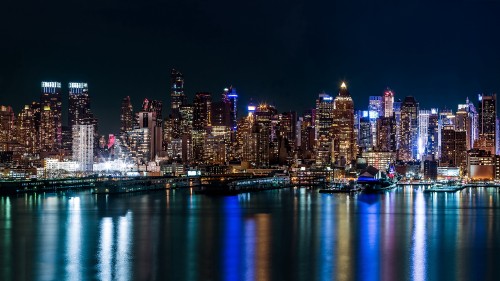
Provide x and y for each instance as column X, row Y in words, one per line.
column 281, row 52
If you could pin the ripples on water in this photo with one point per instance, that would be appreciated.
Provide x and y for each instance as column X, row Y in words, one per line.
column 291, row 234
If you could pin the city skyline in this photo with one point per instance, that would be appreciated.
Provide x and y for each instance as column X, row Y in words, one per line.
column 112, row 125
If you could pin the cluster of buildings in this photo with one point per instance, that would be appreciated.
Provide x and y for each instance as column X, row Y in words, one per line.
column 208, row 134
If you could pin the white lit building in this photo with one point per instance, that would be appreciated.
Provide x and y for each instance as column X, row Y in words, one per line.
column 83, row 146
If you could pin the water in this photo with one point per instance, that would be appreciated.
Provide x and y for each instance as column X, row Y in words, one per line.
column 292, row 234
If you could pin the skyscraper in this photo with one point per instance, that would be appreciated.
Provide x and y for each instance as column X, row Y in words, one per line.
column 423, row 131
column 126, row 116
column 323, row 129
column 386, row 133
column 432, row 147
column 232, row 98
column 343, row 127
column 83, row 146
column 388, row 103
column 26, row 130
column 147, row 119
column 51, row 100
column 177, row 99
column 79, row 104
column 202, row 111
column 487, row 122
column 7, row 127
column 408, row 148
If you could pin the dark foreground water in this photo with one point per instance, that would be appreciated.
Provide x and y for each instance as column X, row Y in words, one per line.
column 292, row 234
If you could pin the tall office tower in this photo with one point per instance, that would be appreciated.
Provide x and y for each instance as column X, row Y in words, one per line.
column 343, row 128
column 7, row 128
column 375, row 110
column 260, row 136
column 232, row 98
column 396, row 107
column 323, row 124
column 376, row 106
column 51, row 97
column 147, row 118
column 140, row 144
column 155, row 106
column 288, row 129
column 177, row 99
column 187, row 118
column 453, row 147
column 432, row 147
column 409, row 130
column 79, row 104
column 386, row 133
column 48, row 132
column 471, row 125
column 83, row 146
column 126, row 116
column 464, row 121
column 461, row 118
column 365, row 140
column 423, row 131
column 487, row 122
column 221, row 112
column 202, row 111
column 388, row 103
column 306, row 135
column 26, row 130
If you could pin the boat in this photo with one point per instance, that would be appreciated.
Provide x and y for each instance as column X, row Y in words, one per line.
column 444, row 188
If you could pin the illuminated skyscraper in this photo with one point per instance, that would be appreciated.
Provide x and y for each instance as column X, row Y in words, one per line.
column 323, row 129
column 83, row 146
column 386, row 134
column 432, row 147
column 365, row 141
column 48, row 132
column 487, row 122
column 177, row 99
column 147, row 119
column 423, row 131
column 51, row 100
column 453, row 147
column 126, row 116
column 26, row 130
column 388, row 103
column 7, row 127
column 232, row 98
column 202, row 111
column 79, row 104
column 343, row 128
column 408, row 148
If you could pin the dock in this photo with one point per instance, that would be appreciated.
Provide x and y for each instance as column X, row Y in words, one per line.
column 244, row 185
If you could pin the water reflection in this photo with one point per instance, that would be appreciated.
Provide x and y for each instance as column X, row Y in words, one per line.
column 418, row 237
column 294, row 234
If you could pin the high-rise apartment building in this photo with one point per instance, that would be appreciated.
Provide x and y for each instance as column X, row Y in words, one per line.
column 343, row 128
column 487, row 122
column 51, row 104
column 177, row 100
column 408, row 147
column 83, row 146
column 388, row 103
column 126, row 116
